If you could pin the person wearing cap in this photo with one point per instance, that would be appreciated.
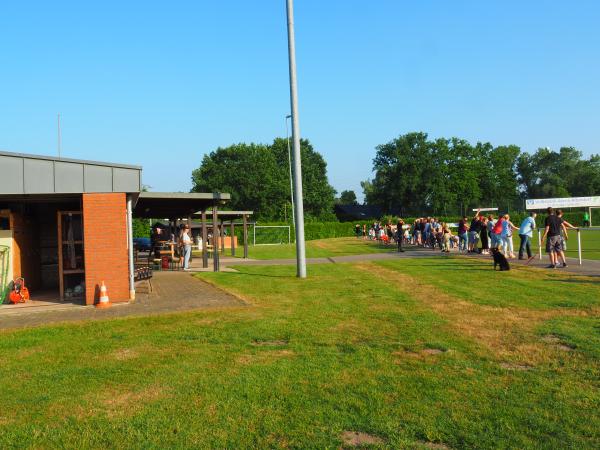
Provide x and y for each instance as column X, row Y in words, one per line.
column 186, row 240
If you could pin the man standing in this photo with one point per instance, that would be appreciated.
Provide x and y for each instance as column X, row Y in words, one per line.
column 400, row 234
column 474, row 230
column 564, row 236
column 553, row 227
column 586, row 219
column 526, row 233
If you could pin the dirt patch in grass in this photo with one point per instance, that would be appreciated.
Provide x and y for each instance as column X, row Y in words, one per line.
column 321, row 244
column 432, row 351
column 515, row 366
column 127, row 402
column 551, row 339
column 124, row 354
column 557, row 343
column 275, row 343
column 508, row 333
column 433, row 445
column 359, row 439
column 27, row 352
column 5, row 421
column 420, row 353
column 265, row 357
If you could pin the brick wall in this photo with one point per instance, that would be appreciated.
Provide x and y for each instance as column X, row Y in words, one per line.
column 105, row 238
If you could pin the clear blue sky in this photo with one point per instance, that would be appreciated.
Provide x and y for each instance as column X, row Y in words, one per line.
column 161, row 83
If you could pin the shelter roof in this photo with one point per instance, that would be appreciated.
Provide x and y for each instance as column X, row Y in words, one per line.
column 229, row 213
column 173, row 205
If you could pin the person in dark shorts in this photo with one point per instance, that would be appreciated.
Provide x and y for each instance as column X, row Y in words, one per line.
column 474, row 230
column 552, row 235
column 400, row 234
column 564, row 236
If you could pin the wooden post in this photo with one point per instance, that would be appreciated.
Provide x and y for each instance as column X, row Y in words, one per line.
column 204, row 241
column 222, row 236
column 215, row 239
column 245, row 221
column 232, row 236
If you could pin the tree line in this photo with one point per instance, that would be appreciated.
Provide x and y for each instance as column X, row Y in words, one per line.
column 415, row 175
column 258, row 178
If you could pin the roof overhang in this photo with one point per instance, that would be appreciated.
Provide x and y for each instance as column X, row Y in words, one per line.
column 221, row 213
column 176, row 205
column 22, row 174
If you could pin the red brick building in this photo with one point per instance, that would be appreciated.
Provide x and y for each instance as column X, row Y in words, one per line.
column 65, row 225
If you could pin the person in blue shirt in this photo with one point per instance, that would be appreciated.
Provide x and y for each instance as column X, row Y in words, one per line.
column 526, row 233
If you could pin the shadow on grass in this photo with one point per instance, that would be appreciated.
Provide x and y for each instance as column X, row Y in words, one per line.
column 575, row 281
column 264, row 275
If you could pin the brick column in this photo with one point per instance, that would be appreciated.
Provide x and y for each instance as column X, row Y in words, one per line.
column 105, row 246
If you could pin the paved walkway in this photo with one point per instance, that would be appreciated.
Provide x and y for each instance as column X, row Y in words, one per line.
column 589, row 267
column 172, row 292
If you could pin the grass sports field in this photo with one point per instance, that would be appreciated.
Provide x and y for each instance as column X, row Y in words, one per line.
column 422, row 353
column 590, row 244
column 323, row 248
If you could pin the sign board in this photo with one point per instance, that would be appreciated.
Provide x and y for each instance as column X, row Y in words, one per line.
column 484, row 209
column 567, row 202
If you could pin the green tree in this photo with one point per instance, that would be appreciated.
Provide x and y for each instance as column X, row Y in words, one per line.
column 402, row 174
column 348, row 198
column 445, row 176
column 257, row 177
column 547, row 173
column 368, row 192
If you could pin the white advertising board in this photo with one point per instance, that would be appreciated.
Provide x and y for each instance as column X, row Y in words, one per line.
column 484, row 209
column 567, row 202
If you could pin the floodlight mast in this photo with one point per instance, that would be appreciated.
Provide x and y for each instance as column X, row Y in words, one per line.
column 297, row 165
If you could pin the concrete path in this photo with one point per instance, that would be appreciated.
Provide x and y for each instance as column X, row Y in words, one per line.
column 172, row 292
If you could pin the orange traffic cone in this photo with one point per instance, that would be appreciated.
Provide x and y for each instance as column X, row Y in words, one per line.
column 104, row 301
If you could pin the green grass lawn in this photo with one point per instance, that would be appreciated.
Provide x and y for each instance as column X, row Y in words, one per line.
column 321, row 248
column 590, row 243
column 424, row 353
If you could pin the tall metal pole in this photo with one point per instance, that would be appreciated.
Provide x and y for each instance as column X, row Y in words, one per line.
column 299, row 205
column 130, row 248
column 287, row 133
column 59, row 138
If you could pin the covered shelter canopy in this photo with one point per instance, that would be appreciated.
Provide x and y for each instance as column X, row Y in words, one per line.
column 176, row 205
column 229, row 214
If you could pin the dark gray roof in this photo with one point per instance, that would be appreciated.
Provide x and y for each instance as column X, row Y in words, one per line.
column 71, row 160
column 23, row 174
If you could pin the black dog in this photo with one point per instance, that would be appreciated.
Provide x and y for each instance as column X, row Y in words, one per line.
column 500, row 260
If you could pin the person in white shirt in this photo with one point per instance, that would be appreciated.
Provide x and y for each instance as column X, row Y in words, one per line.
column 187, row 247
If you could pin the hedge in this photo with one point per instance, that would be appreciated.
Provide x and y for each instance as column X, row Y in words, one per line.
column 326, row 230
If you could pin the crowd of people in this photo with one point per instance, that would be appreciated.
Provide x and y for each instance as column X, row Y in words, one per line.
column 478, row 234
